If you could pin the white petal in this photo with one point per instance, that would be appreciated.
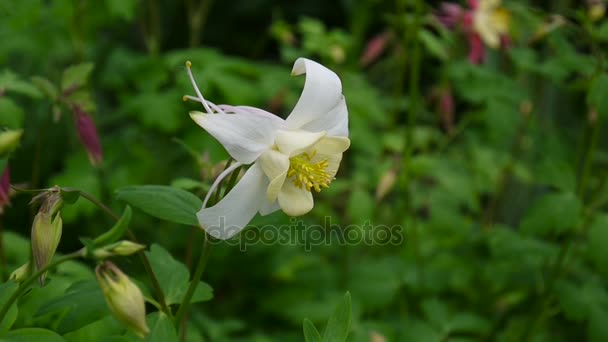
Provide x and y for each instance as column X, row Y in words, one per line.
column 245, row 136
column 334, row 123
column 332, row 145
column 269, row 207
column 322, row 93
column 233, row 212
column 293, row 143
column 275, row 165
column 295, row 201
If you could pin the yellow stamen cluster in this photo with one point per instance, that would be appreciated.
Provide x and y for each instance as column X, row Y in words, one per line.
column 308, row 175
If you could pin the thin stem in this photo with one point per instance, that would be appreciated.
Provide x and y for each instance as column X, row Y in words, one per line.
column 142, row 256
column 198, row 273
column 595, row 133
column 26, row 283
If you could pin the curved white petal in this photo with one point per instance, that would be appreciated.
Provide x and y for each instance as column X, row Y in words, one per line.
column 245, row 136
column 230, row 215
column 322, row 93
column 295, row 201
column 332, row 145
column 335, row 122
column 275, row 165
column 269, row 207
column 293, row 143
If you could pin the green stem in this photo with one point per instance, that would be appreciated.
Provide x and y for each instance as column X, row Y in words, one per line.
column 198, row 273
column 595, row 133
column 142, row 256
column 26, row 283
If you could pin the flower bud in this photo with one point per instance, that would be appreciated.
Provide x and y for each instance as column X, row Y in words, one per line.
column 122, row 248
column 21, row 273
column 46, row 233
column 9, row 140
column 88, row 135
column 5, row 185
column 596, row 9
column 124, row 298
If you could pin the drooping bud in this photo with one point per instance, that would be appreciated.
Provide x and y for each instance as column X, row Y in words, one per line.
column 21, row 273
column 46, row 229
column 5, row 187
column 9, row 140
column 123, row 297
column 88, row 134
column 120, row 248
column 596, row 9
column 450, row 15
column 374, row 48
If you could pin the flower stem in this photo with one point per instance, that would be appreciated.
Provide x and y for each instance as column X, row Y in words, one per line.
column 144, row 259
column 198, row 273
column 26, row 283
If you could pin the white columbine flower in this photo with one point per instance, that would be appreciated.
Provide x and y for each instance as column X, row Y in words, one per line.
column 490, row 21
column 289, row 158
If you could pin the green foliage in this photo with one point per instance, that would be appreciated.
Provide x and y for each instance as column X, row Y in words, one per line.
column 488, row 179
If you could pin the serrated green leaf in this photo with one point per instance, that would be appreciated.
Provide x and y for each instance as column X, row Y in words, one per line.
column 311, row 334
column 553, row 213
column 10, row 82
column 163, row 202
column 46, row 87
column 338, row 325
column 76, row 76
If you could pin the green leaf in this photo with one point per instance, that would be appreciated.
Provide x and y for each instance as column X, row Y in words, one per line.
column 31, row 334
column 311, row 334
column 46, row 87
column 596, row 98
column 76, row 76
column 117, row 231
column 553, row 213
column 598, row 240
column 124, row 9
column 82, row 304
column 164, row 202
column 11, row 115
column 174, row 277
column 338, row 325
column 10, row 82
column 6, row 290
column 161, row 328
column 433, row 44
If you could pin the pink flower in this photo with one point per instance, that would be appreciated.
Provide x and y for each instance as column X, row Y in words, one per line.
column 88, row 134
column 4, row 189
column 484, row 23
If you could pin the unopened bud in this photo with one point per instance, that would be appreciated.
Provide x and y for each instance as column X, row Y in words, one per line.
column 88, row 135
column 596, row 9
column 5, row 184
column 21, row 273
column 120, row 248
column 9, row 140
column 46, row 233
column 123, row 297
column 387, row 183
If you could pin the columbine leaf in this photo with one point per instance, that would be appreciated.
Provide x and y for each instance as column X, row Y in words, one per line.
column 339, row 322
column 311, row 334
column 164, row 202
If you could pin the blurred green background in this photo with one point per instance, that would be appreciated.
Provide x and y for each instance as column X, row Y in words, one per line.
column 496, row 173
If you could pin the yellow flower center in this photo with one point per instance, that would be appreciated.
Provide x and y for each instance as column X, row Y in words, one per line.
column 307, row 175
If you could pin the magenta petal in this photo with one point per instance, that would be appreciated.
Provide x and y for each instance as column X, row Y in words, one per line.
column 5, row 183
column 477, row 50
column 450, row 14
column 88, row 135
column 473, row 4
